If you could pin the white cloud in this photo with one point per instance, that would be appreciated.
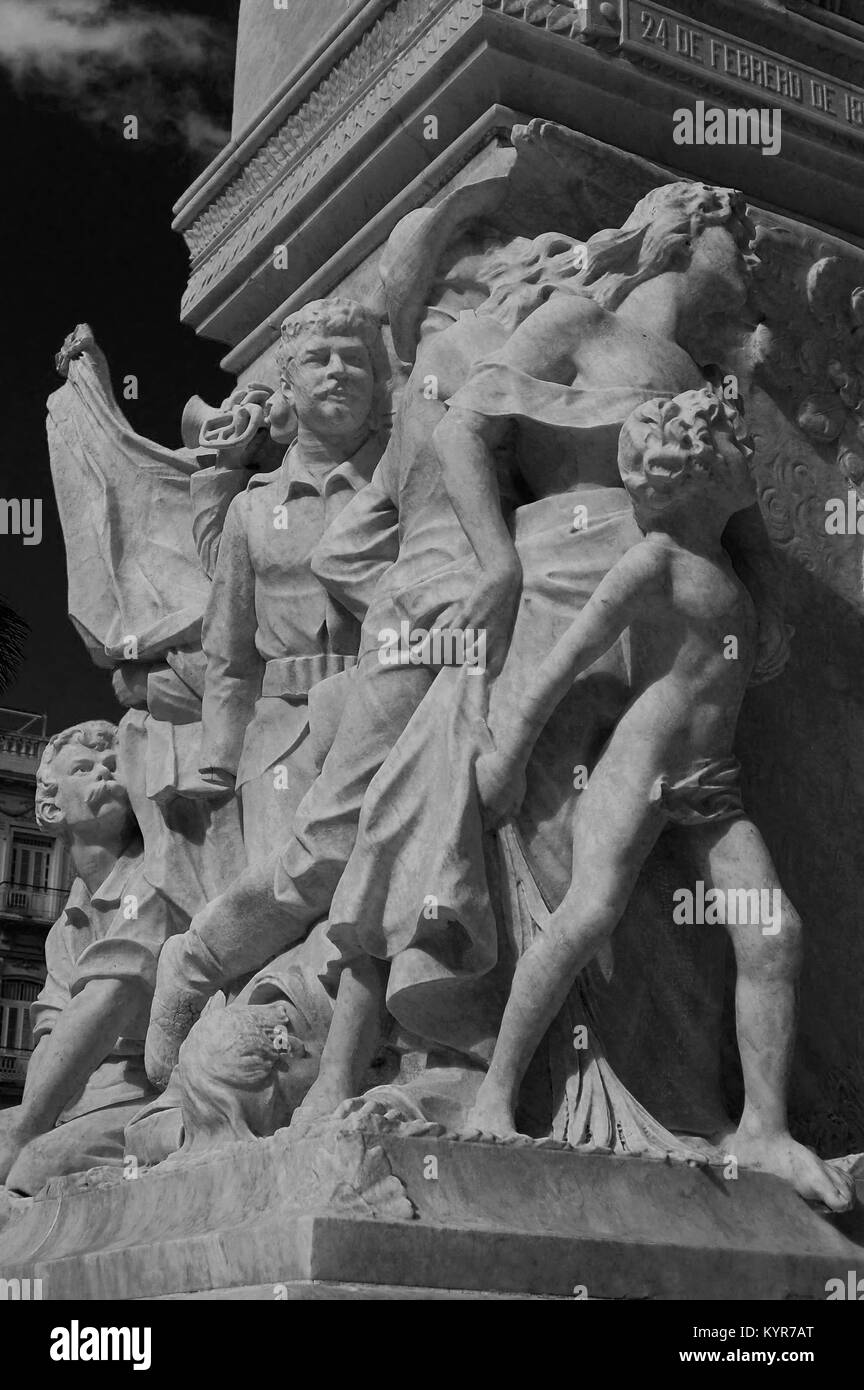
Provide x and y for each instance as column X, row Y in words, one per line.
column 102, row 57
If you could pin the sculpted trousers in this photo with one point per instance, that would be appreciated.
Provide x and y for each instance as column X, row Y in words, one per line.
column 275, row 902
column 89, row 1141
column 270, row 802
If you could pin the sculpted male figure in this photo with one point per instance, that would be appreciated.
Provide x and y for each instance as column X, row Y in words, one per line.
column 86, row 1077
column 685, row 464
column 405, row 505
column 272, row 633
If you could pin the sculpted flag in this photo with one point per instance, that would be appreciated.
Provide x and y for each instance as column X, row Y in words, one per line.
column 126, row 516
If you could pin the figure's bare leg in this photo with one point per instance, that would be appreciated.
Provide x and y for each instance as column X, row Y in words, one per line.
column 767, row 957
column 614, row 831
column 354, row 1034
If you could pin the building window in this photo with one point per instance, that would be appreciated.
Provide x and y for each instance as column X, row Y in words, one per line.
column 26, row 888
column 16, row 996
column 31, row 860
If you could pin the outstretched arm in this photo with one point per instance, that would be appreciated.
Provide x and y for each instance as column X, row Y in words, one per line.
column 618, row 600
column 465, row 441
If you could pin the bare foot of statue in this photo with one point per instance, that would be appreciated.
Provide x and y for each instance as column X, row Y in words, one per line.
column 175, row 1010
column 783, row 1156
column 321, row 1102
column 491, row 1114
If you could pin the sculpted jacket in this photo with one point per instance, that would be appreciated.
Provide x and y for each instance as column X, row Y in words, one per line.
column 271, row 630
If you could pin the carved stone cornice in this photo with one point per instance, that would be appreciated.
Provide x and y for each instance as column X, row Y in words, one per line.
column 370, row 60
column 702, row 83
column 796, row 29
column 345, row 90
column 347, row 139
column 390, row 58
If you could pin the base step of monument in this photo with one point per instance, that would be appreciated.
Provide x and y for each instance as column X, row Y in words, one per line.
column 392, row 1213
column 312, row 1290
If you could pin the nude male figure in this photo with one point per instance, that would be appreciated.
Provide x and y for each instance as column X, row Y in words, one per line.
column 669, row 759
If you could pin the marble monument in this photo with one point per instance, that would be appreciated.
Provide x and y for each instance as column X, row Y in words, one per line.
column 489, row 670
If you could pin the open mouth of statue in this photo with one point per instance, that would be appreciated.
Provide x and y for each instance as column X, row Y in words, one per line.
column 106, row 791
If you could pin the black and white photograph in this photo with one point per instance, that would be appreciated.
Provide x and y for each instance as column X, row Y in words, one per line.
column 432, row 665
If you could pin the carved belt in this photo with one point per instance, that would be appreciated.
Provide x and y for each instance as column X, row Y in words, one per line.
column 292, row 677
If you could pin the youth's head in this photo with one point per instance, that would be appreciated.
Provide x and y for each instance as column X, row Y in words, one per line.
column 692, row 453
column 78, row 791
column 332, row 363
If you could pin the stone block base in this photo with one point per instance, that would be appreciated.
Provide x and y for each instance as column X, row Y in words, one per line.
column 405, row 1213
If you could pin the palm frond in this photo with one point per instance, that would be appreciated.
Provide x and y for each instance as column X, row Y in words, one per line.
column 13, row 636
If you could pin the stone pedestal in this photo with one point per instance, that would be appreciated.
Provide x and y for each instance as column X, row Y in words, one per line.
column 405, row 1213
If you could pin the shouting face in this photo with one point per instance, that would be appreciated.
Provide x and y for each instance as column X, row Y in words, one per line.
column 89, row 797
column 330, row 384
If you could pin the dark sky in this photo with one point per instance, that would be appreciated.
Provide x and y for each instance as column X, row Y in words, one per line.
column 88, row 238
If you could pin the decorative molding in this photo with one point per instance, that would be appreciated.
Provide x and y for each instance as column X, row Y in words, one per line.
column 494, row 126
column 295, row 164
column 390, row 59
column 345, row 92
column 705, row 80
column 808, row 348
column 797, row 36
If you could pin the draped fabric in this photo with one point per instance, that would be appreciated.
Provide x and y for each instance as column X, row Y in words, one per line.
column 127, row 522
column 591, row 1108
column 134, row 573
column 495, row 388
column 416, row 890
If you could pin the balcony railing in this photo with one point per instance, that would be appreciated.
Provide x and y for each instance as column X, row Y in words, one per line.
column 37, row 904
column 22, row 745
column 13, row 1065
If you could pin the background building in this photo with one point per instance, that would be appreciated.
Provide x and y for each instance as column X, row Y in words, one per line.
column 35, row 877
